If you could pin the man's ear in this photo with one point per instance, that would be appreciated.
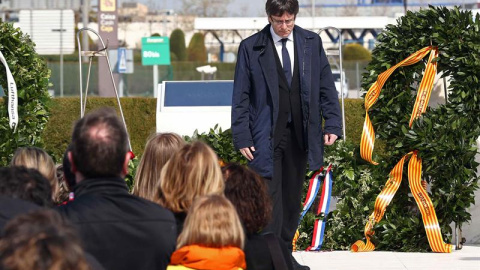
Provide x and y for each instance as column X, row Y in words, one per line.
column 128, row 157
column 72, row 164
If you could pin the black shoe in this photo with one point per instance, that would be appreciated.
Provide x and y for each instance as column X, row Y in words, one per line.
column 298, row 266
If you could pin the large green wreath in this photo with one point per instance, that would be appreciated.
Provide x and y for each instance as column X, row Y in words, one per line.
column 31, row 76
column 445, row 136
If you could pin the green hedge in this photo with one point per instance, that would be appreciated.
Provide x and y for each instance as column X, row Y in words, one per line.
column 140, row 117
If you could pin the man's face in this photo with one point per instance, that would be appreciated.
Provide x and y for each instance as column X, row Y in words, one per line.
column 282, row 25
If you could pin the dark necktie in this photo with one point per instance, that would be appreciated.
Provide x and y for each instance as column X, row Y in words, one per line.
column 287, row 65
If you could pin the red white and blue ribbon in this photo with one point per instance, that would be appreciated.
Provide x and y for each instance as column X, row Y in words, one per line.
column 323, row 206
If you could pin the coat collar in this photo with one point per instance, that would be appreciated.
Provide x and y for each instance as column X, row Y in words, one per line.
column 101, row 185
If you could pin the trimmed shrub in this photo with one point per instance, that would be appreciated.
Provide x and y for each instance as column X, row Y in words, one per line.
column 196, row 48
column 355, row 51
column 177, row 45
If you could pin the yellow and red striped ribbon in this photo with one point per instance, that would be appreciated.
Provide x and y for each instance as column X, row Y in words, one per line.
column 420, row 194
column 417, row 186
column 430, row 221
column 425, row 88
column 294, row 241
column 368, row 134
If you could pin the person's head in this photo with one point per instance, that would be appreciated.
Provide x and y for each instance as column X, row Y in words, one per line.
column 191, row 172
column 248, row 193
column 213, row 222
column 281, row 15
column 26, row 184
column 36, row 158
column 40, row 240
column 99, row 146
column 157, row 152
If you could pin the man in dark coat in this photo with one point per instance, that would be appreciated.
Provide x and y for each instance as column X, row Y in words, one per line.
column 283, row 88
column 121, row 230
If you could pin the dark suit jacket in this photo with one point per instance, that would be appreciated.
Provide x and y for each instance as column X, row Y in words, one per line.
column 255, row 102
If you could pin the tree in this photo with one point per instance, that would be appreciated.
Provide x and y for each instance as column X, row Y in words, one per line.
column 177, row 44
column 206, row 8
column 196, row 48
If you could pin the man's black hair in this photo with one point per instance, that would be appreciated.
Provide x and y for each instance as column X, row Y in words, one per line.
column 99, row 144
column 26, row 184
column 279, row 7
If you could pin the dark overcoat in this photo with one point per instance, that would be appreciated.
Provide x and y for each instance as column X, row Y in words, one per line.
column 255, row 102
column 120, row 230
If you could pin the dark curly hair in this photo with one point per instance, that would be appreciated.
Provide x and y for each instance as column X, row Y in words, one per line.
column 41, row 240
column 248, row 193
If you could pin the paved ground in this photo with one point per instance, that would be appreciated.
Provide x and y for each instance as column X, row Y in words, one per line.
column 466, row 259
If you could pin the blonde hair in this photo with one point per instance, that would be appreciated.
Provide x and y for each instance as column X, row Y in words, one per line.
column 36, row 158
column 193, row 171
column 212, row 221
column 158, row 150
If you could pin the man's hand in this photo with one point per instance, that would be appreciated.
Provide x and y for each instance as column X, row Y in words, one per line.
column 329, row 139
column 247, row 152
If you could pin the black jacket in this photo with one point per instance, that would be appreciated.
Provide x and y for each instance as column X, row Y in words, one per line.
column 12, row 207
column 121, row 230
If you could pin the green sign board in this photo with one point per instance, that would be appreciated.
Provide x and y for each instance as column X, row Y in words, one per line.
column 155, row 51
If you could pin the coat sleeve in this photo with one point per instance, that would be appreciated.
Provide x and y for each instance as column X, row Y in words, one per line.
column 242, row 136
column 329, row 105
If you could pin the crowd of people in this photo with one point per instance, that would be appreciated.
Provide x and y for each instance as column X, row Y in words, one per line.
column 184, row 212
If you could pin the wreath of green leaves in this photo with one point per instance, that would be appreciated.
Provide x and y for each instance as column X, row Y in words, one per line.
column 31, row 76
column 445, row 136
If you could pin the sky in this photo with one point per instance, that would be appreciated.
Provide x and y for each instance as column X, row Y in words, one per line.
column 244, row 8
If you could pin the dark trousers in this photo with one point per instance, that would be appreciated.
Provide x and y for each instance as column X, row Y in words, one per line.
column 285, row 188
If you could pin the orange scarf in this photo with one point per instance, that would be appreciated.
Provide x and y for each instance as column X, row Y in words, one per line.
column 205, row 258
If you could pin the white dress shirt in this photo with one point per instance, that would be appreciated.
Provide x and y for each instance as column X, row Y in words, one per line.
column 277, row 40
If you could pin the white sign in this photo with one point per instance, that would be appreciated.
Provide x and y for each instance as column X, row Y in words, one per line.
column 186, row 106
column 51, row 30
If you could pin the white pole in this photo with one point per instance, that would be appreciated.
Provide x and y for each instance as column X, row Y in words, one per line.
column 313, row 14
column 313, row 8
column 155, row 80
column 165, row 23
column 121, row 85
column 85, row 13
column 61, row 53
